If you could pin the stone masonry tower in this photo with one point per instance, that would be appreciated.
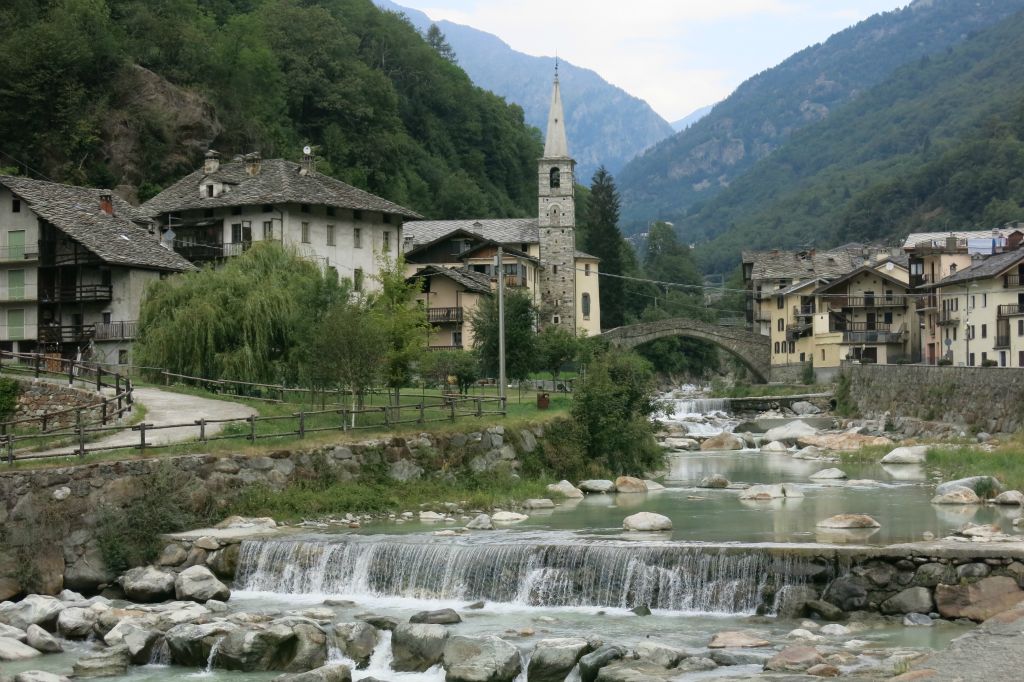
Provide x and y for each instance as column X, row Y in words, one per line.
column 557, row 223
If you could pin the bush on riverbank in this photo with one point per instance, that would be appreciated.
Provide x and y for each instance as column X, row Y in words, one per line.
column 1005, row 463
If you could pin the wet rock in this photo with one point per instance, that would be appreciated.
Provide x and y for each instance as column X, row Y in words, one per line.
column 792, row 490
column 657, row 653
column 41, row 640
column 737, row 639
column 379, row 622
column 480, row 522
column 763, row 492
column 975, row 483
column 847, row 594
column 417, row 647
column 13, row 650
column 1010, row 497
column 849, row 521
column 199, row 584
column 628, row 484
column 148, row 584
column 713, row 481
column 775, row 446
column 910, row 600
column 681, row 444
column 915, row 454
column 956, row 495
column 508, row 517
column 791, row 601
column 356, row 640
column 647, row 521
column 980, row 600
column 972, row 571
column 542, row 503
column 480, row 659
column 834, row 630
column 794, row 659
column 805, row 408
column 809, row 452
column 828, row 474
column 431, row 516
column 823, row 670
column 695, row 664
column 333, row 672
column 631, row 671
column 477, row 605
column 554, row 659
column 791, row 432
column 565, row 489
column 805, row 635
column 931, row 574
column 35, row 609
column 39, row 676
column 724, row 441
column 286, row 644
column 439, row 617
column 597, row 485
column 11, row 632
column 642, row 610
column 172, row 555
column 739, row 657
column 111, row 662
column 591, row 664
column 190, row 644
column 137, row 635
column 653, row 485
column 918, row 620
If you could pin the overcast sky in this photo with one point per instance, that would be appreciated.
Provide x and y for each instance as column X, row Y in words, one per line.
column 679, row 55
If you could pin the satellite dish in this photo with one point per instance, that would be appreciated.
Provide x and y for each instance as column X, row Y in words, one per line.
column 307, row 150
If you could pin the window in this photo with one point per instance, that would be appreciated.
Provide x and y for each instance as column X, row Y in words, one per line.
column 822, row 353
column 357, row 238
column 1020, row 358
column 209, row 191
column 984, row 300
column 15, row 324
column 15, row 285
column 15, row 205
column 241, row 233
column 970, row 332
column 556, row 319
column 268, row 229
column 803, row 357
column 984, row 331
column 554, row 178
column 776, row 347
column 586, row 269
column 554, row 269
column 984, row 358
column 887, row 317
column 970, row 360
column 331, row 211
column 357, row 215
column 330, row 235
column 236, row 210
column 780, row 302
column 305, row 208
column 954, row 333
column 386, row 243
column 974, row 302
column 357, row 279
column 305, row 233
column 106, row 318
column 16, row 245
column 888, row 295
column 122, row 356
column 781, row 325
column 585, row 304
column 457, row 337
column 1002, row 358
column 792, row 346
column 1020, row 327
column 952, row 268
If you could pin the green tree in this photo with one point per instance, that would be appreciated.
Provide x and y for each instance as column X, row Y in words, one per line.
column 520, row 339
column 604, row 240
column 435, row 38
column 464, row 366
column 555, row 347
column 403, row 321
column 668, row 260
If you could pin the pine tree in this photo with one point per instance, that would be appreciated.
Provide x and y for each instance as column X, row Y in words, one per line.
column 604, row 240
column 436, row 39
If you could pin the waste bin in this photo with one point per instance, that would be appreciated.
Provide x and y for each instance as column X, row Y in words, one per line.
column 543, row 401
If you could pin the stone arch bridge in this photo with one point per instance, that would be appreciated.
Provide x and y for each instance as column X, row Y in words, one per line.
column 751, row 348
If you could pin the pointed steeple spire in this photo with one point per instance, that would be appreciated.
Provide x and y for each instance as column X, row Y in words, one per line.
column 556, row 146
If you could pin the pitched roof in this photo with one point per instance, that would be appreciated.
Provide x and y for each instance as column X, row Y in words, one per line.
column 278, row 182
column 117, row 239
column 802, row 265
column 858, row 272
column 992, row 266
column 502, row 230
column 556, row 145
column 469, row 279
column 939, row 238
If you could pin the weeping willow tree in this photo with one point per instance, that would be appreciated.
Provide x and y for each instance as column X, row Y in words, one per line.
column 243, row 321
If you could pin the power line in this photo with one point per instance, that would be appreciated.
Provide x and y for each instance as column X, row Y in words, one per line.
column 26, row 166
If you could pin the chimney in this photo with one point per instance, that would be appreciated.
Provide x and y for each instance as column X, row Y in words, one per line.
column 212, row 162
column 107, row 203
column 308, row 162
column 252, row 163
column 951, row 243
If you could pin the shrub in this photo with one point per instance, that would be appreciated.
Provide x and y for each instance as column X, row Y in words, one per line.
column 845, row 406
column 9, row 390
column 989, row 363
column 807, row 374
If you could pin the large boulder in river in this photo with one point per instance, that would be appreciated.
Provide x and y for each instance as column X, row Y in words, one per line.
column 35, row 609
column 628, row 484
column 417, row 647
column 957, row 495
column 849, row 521
column 737, row 638
column 439, row 617
column 286, row 644
column 912, row 454
column 565, row 489
column 332, row 672
column 1010, row 497
column 647, row 521
column 978, row 601
column 597, row 485
column 978, row 484
column 148, row 584
column 356, row 640
column 190, row 644
column 41, row 640
column 39, row 676
column 111, row 662
column 480, row 659
column 794, row 659
column 828, row 474
column 714, row 481
column 76, row 622
column 775, row 446
column 804, row 408
column 13, row 650
column 763, row 492
column 591, row 664
column 844, row 442
column 554, row 659
column 198, row 583
column 791, row 432
column 724, row 441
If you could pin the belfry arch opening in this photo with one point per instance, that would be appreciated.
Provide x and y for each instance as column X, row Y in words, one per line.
column 555, row 178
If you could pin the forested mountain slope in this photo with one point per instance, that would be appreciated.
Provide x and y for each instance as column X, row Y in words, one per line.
column 677, row 176
column 131, row 92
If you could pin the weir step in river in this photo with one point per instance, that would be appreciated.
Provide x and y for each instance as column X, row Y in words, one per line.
column 673, row 577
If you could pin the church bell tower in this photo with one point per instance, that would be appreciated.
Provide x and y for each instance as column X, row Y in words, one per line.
column 556, row 221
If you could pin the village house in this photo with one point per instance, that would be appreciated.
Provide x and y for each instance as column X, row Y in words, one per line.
column 74, row 265
column 539, row 254
column 220, row 210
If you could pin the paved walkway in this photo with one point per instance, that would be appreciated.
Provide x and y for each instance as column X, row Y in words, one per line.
column 164, row 408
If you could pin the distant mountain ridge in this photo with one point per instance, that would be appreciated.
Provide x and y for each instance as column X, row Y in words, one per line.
column 678, row 175
column 691, row 118
column 606, row 125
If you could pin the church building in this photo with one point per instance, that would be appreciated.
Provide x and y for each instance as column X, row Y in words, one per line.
column 456, row 258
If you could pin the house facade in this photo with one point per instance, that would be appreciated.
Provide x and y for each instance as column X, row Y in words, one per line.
column 74, row 265
column 218, row 211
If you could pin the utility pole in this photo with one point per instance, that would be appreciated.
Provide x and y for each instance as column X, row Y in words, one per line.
column 501, row 329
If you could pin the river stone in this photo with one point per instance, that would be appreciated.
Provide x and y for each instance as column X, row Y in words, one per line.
column 847, row 594
column 431, row 516
column 286, row 644
column 198, row 583
column 804, row 408
column 626, row 670
column 39, row 676
column 972, row 570
column 332, row 672
column 148, row 584
column 13, row 650
column 834, row 630
column 957, row 495
column 978, row 601
column 737, row 639
column 739, row 657
column 724, row 441
column 809, row 452
column 681, row 444
column 190, row 643
column 792, row 490
column 508, row 517
column 1010, row 497
column 910, row 600
column 931, row 574
column 775, row 446
column 172, row 555
column 628, row 484
column 824, row 670
column 913, row 454
column 135, row 635
column 713, row 481
column 356, row 640
column 379, row 622
column 417, row 647
column 41, row 640
column 480, row 522
column 35, row 609
column 111, row 662
column 542, row 503
column 849, row 521
column 763, row 492
column 480, row 659
column 591, row 664
column 11, row 632
column 695, row 664
column 597, row 485
column 554, row 659
column 972, row 482
column 565, row 489
column 828, row 474
column 920, row 620
column 439, row 617
column 824, row 609
column 789, row 433
column 794, row 659
column 647, row 521
column 657, row 653
column 653, row 485
column 791, row 600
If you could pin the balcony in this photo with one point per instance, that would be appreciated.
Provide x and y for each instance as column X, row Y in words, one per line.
column 1012, row 281
column 1002, row 341
column 872, row 336
column 875, row 301
column 515, row 281
column 116, row 331
column 926, row 302
column 82, row 293
column 803, row 310
column 72, row 333
column 948, row 318
column 198, row 252
column 457, row 347
column 1011, row 309
column 444, row 315
column 19, row 254
column 919, row 280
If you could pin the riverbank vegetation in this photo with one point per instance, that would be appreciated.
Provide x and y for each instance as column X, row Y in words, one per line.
column 1005, row 462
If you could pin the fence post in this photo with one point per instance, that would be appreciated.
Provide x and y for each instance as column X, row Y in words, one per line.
column 71, row 372
column 81, row 433
column 43, row 422
column 142, row 438
column 302, row 424
column 202, row 430
column 117, row 382
column 128, row 391
column 344, row 419
column 504, row 406
column 451, row 406
column 103, row 413
column 10, row 449
column 421, row 412
column 99, row 378
column 252, row 428
column 37, row 365
column 387, row 421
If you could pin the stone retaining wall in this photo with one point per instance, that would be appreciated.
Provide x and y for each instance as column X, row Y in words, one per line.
column 981, row 398
column 37, row 398
column 74, row 494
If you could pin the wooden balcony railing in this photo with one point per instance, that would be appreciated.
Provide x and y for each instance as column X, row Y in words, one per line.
column 81, row 293
column 457, row 347
column 69, row 333
column 116, row 331
column 444, row 315
column 875, row 301
column 872, row 337
column 861, row 327
column 1011, row 281
column 803, row 310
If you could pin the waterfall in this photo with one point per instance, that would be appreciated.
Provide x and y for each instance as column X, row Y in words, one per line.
column 700, row 406
column 676, row 577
